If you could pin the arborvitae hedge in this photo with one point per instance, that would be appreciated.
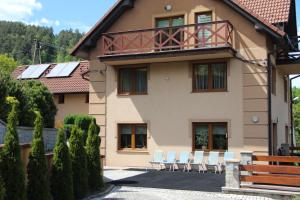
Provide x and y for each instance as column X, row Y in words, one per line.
column 2, row 189
column 10, row 160
column 38, row 184
column 61, row 172
column 93, row 157
column 81, row 121
column 79, row 163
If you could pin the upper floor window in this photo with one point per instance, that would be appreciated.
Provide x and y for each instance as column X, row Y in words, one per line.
column 169, row 38
column 204, row 29
column 132, row 81
column 210, row 77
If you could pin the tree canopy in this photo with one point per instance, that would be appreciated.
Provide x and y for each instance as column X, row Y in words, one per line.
column 17, row 41
column 296, row 110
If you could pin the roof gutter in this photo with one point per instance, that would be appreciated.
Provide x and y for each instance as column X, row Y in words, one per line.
column 255, row 21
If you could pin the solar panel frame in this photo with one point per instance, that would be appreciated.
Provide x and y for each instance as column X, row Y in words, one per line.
column 34, row 71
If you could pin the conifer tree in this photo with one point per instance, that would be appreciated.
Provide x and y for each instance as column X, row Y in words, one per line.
column 2, row 189
column 11, row 168
column 95, row 178
column 38, row 184
column 61, row 172
column 79, row 163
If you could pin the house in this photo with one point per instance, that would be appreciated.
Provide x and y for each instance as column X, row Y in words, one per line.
column 67, row 81
column 191, row 75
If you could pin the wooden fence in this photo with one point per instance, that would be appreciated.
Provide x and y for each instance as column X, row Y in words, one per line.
column 272, row 173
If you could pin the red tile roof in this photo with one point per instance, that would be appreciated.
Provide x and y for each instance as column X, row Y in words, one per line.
column 75, row 83
column 274, row 11
column 260, row 10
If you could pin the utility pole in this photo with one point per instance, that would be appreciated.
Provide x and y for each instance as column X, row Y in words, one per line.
column 36, row 59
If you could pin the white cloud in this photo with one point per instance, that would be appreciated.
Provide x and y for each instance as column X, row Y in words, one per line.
column 78, row 25
column 45, row 22
column 18, row 10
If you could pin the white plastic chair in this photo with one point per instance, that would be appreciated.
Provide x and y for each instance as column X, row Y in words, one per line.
column 198, row 161
column 157, row 159
column 183, row 161
column 171, row 160
column 213, row 161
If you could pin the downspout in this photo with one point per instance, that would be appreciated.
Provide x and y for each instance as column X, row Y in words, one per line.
column 291, row 110
column 270, row 136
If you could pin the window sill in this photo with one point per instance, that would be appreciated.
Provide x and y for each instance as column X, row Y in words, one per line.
column 144, row 151
column 209, row 91
column 130, row 94
column 207, row 151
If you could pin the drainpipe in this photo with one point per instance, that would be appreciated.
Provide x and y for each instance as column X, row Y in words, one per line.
column 291, row 108
column 270, row 137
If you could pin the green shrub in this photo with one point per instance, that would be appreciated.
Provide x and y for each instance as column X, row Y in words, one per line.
column 81, row 121
column 61, row 172
column 32, row 95
column 10, row 160
column 93, row 157
column 79, row 163
column 40, row 98
column 38, row 184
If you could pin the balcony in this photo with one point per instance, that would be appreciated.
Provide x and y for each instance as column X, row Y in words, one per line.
column 187, row 40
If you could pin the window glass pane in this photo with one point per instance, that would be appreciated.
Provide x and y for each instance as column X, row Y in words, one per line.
column 161, row 23
column 125, row 134
column 219, row 136
column 203, row 18
column 177, row 21
column 125, row 81
column 219, row 76
column 140, row 136
column 141, row 80
column 201, row 77
column 201, row 136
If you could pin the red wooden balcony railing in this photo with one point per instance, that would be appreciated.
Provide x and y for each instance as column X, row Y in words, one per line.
column 186, row 37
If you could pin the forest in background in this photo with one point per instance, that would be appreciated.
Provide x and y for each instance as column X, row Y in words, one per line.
column 17, row 40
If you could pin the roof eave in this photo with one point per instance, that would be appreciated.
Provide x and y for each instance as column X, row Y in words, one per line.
column 88, row 41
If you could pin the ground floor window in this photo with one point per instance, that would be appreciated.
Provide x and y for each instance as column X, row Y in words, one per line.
column 132, row 136
column 210, row 136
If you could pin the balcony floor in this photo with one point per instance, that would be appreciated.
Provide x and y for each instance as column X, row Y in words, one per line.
column 169, row 56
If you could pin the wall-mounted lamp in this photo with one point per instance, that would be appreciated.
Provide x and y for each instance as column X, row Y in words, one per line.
column 168, row 7
column 255, row 119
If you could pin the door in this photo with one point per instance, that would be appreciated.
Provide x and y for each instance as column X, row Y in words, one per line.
column 170, row 27
column 205, row 29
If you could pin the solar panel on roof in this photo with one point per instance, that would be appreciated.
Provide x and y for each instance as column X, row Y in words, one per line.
column 56, row 70
column 34, row 71
column 63, row 69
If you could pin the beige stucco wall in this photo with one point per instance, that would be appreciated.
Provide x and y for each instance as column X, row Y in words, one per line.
column 169, row 110
column 170, row 106
column 74, row 104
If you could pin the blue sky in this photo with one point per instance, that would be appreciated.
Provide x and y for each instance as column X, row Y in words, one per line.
column 66, row 14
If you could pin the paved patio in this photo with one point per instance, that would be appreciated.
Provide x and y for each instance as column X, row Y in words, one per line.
column 178, row 180
column 155, row 185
